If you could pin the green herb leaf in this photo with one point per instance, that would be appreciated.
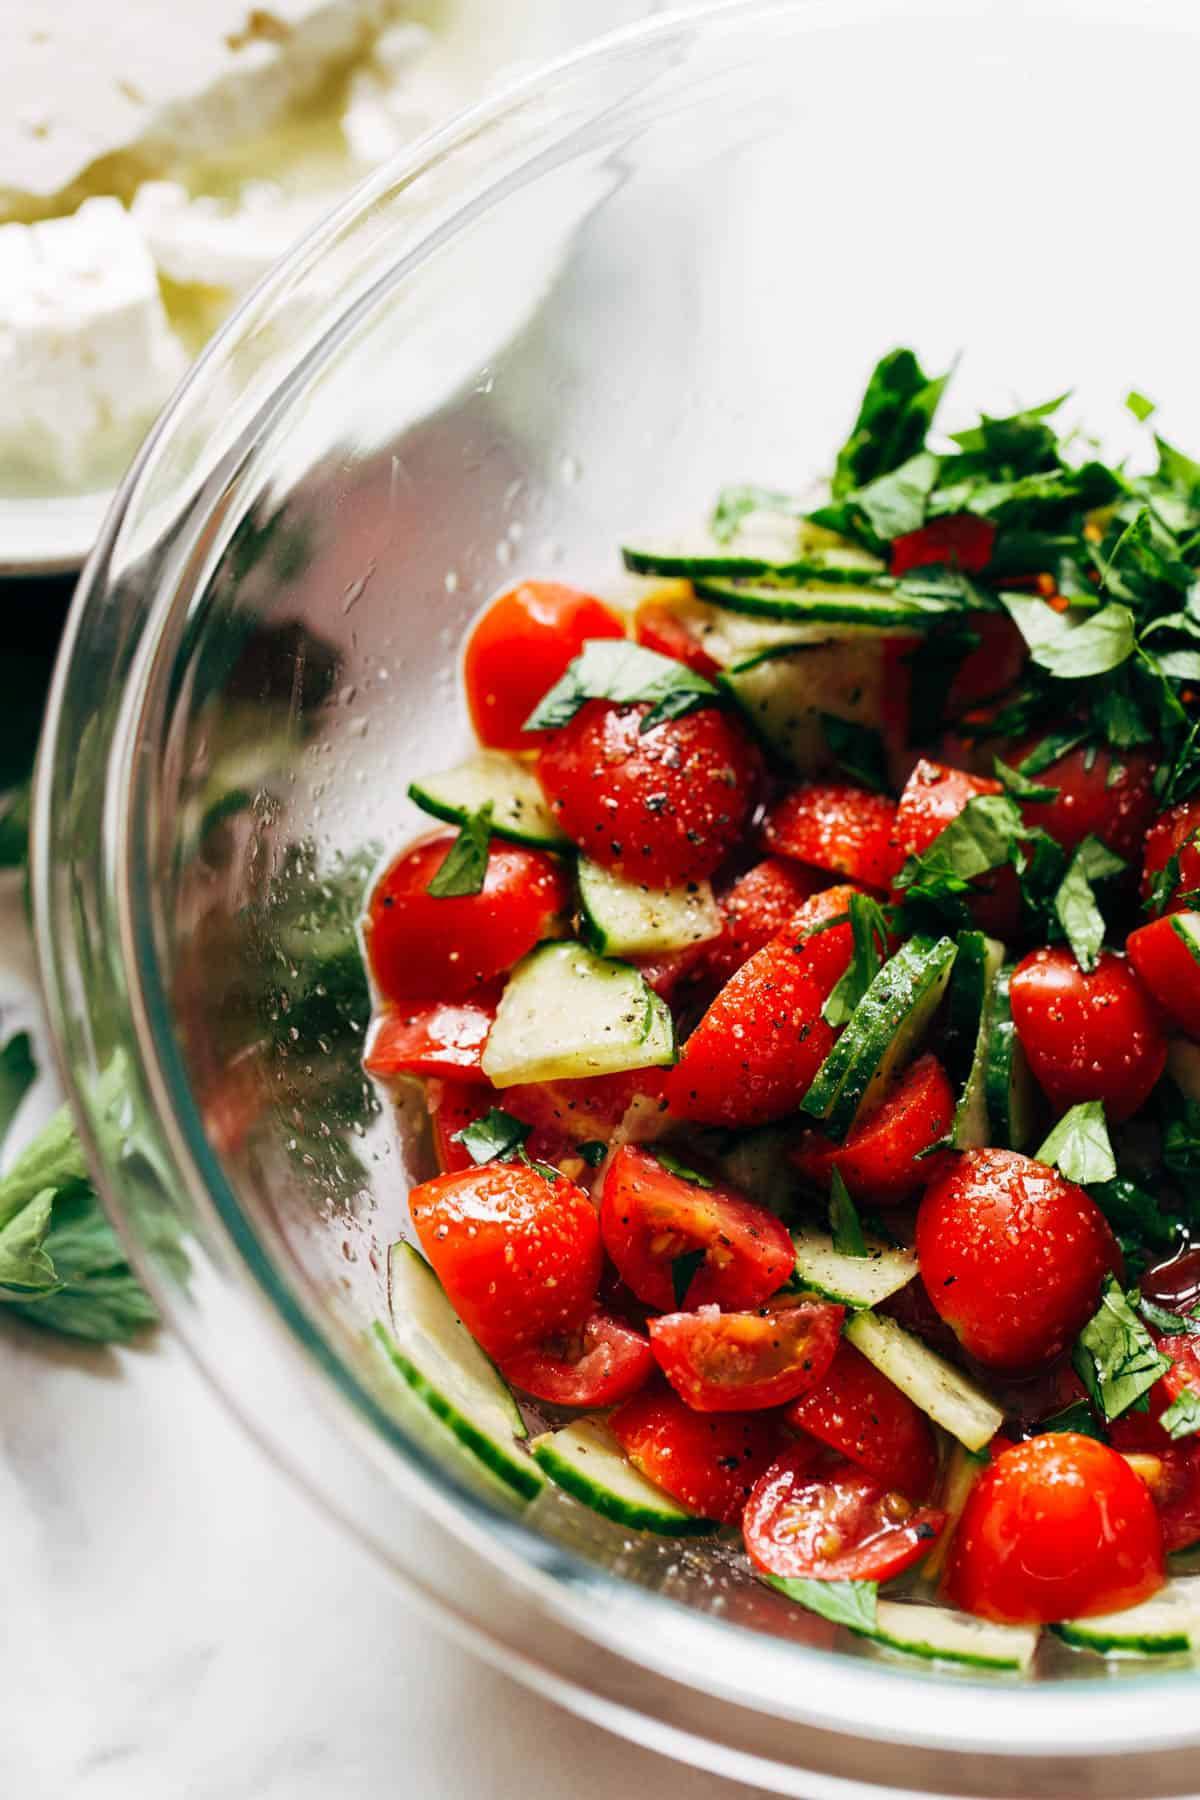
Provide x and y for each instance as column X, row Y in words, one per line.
column 896, row 412
column 1054, row 744
column 1173, row 1324
column 673, row 1166
column 1018, row 786
column 1139, row 406
column 593, row 1152
column 1079, row 1145
column 547, row 1171
column 1077, row 1417
column 683, row 1273
column 1071, row 648
column 1132, row 1212
column 869, row 926
column 464, row 867
column 980, row 838
column 735, row 504
column 856, row 749
column 25, row 1268
column 490, row 1139
column 847, row 1233
column 1115, row 1357
column 628, row 675
column 17, row 1072
column 1182, row 1418
column 852, row 1603
column 894, row 504
column 1075, row 902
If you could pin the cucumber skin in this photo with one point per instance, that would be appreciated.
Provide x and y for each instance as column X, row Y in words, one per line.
column 802, row 605
column 634, row 1518
column 1175, row 1644
column 925, row 1653
column 453, row 815
column 1005, row 1129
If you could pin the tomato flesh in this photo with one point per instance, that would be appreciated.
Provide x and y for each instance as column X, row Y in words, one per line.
column 707, row 1461
column 732, row 1362
column 430, row 1037
column 883, row 1159
column 760, row 903
column 1168, row 968
column 807, row 1522
column 993, row 665
column 601, row 1364
column 1087, row 1036
column 1012, row 1256
column 840, row 829
column 658, row 626
column 960, row 539
column 518, row 648
column 860, row 1413
column 1058, row 1527
column 933, row 796
column 1174, row 836
column 1106, row 794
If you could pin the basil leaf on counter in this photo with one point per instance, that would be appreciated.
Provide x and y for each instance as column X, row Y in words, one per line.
column 628, row 675
column 847, row 1233
column 1115, row 1356
column 464, row 868
column 1079, row 1145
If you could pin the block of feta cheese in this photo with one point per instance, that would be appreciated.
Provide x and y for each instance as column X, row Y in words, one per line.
column 87, row 357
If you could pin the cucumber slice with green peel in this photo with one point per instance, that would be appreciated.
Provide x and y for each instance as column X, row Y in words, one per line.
column 435, row 1354
column 969, row 1007
column 783, row 693
column 942, row 1392
column 713, row 562
column 827, row 602
column 883, row 1035
column 1166, row 1625
column 854, row 1281
column 567, row 1012
column 520, row 811
column 586, row 1460
column 939, row 1634
column 963, row 1469
column 623, row 918
column 1008, row 1088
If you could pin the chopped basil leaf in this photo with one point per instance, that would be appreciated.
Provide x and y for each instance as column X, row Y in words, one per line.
column 1077, row 1417
column 1182, row 1418
column 856, row 749
column 1054, row 745
column 464, row 868
column 1115, row 1356
column 1070, row 648
column 1075, row 902
column 847, row 1233
column 980, row 838
column 852, row 1603
column 870, row 929
column 894, row 504
column 17, row 1072
column 547, row 1171
column 1119, row 717
column 593, row 1152
column 683, row 1273
column 1018, row 786
column 627, row 674
column 1139, row 406
column 674, row 1167
column 734, row 504
column 1173, row 1324
column 1133, row 1212
column 1079, row 1145
column 492, row 1138
column 896, row 412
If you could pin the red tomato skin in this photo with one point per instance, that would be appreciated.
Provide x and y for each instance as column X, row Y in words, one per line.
column 674, row 969
column 518, row 648
column 519, row 1257
column 659, row 627
column 648, row 1216
column 994, row 665
column 860, row 1413
column 753, row 1055
column 879, row 1159
column 600, row 1365
column 1170, row 835
column 1012, row 1256
column 1177, row 1496
column 743, row 1361
column 1092, row 1036
column 843, row 830
column 707, row 1461
column 760, row 903
column 1167, row 968
column 576, row 1111
column 1086, row 805
column 452, row 1105
column 430, row 1037
column 832, row 1523
column 1058, row 1527
column 422, row 948
column 934, row 795
column 960, row 539
column 660, row 806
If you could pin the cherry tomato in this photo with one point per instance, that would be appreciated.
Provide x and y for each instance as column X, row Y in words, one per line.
column 741, row 1361
column 837, row 1523
column 578, row 1111
column 1168, row 966
column 843, row 830
column 648, row 1217
column 1177, row 1495
column 753, row 1055
column 1058, row 1527
column 1173, row 835
column 1107, row 794
column 760, row 903
column 879, row 1159
column 1012, row 1256
column 453, row 1105
column 673, row 969
column 600, row 1364
column 934, row 795
column 995, row 663
column 707, row 1461
column 1091, row 1036
column 860, row 1413
column 430, row 1037
column 519, row 648
column 519, row 1256
column 659, row 627
column 660, row 806
column 423, row 948
column 959, row 539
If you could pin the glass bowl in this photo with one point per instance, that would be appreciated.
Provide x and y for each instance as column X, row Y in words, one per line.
column 664, row 265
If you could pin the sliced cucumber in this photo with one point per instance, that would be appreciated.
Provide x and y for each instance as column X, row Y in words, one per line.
column 883, row 1035
column 1167, row 1625
column 623, row 918
column 826, row 602
column 963, row 1469
column 567, row 1012
column 777, row 561
column 783, row 694
column 586, row 1459
column 855, row 1281
column 941, row 1635
column 445, row 1368
column 519, row 808
column 1009, row 1093
column 968, row 1034
column 941, row 1391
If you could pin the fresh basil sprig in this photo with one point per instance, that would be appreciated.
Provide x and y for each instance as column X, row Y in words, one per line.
column 464, row 868
column 627, row 674
column 1115, row 1356
column 1079, row 1146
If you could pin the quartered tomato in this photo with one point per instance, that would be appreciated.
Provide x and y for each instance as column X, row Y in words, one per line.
column 518, row 1255
column 1012, row 1254
column 811, row 1521
column 430, row 1037
column 1087, row 1036
column 741, row 1361
column 990, row 668
column 760, row 903
column 424, row 948
column 649, row 1217
column 879, row 1161
column 1102, row 793
column 519, row 648
column 589, row 1108
column 862, row 1414
column 960, row 540
column 1173, row 840
column 843, row 830
column 659, row 627
column 601, row 1363
column 933, row 796
column 707, row 1461
column 658, row 806
column 1058, row 1527
column 1162, row 953
column 753, row 1055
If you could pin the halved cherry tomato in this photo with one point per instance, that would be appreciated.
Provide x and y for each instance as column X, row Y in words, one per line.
column 960, row 539
column 600, row 1364
column 753, row 1055
column 990, row 668
column 589, row 1108
column 1012, row 1255
column 453, row 1105
column 833, row 1523
column 430, row 1037
column 841, row 829
column 862, row 1414
column 741, row 1361
column 879, row 1159
column 519, row 1256
column 1107, row 794
column 1177, row 1495
column 659, row 806
column 934, row 795
column 1174, row 835
column 760, row 903
column 707, row 1461
column 659, row 627
column 519, row 648
column 1087, row 1036
column 648, row 1217
column 1058, row 1527
column 1168, row 967
column 423, row 948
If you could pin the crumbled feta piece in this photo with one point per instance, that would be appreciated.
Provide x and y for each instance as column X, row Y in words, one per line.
column 211, row 243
